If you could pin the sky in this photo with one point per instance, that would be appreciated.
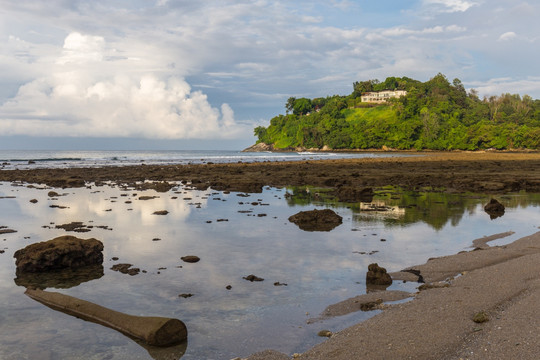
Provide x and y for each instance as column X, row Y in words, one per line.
column 184, row 74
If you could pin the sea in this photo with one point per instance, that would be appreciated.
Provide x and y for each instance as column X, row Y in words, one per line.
column 30, row 159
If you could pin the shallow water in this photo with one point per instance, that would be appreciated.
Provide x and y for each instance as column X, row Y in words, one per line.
column 319, row 268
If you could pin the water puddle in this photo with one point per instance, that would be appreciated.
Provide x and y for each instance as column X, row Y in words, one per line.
column 234, row 235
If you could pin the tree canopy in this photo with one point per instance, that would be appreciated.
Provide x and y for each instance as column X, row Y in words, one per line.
column 436, row 114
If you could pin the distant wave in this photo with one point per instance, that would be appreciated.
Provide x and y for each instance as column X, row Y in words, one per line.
column 42, row 160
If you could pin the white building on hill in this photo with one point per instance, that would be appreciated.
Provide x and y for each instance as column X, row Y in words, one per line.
column 382, row 96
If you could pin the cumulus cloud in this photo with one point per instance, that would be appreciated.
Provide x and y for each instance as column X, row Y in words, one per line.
column 87, row 95
column 109, row 69
column 510, row 35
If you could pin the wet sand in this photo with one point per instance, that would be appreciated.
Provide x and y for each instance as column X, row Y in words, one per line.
column 501, row 281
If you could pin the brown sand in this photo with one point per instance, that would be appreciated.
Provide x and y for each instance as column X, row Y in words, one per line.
column 437, row 324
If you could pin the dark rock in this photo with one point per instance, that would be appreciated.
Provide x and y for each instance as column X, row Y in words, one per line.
column 185, row 296
column 148, row 197
column 59, row 253
column 7, row 231
column 58, row 207
column 126, row 269
column 277, row 283
column 190, row 259
column 76, row 226
column 33, row 201
column 324, row 333
column 352, row 194
column 480, row 317
column 161, row 212
column 494, row 208
column 53, row 194
column 228, row 287
column 252, row 278
column 377, row 275
column 316, row 220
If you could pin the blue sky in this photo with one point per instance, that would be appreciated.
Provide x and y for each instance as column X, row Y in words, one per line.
column 202, row 74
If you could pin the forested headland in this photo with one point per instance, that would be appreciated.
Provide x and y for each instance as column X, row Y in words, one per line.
column 436, row 114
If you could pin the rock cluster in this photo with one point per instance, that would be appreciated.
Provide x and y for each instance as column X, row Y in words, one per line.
column 377, row 275
column 59, row 253
column 316, row 220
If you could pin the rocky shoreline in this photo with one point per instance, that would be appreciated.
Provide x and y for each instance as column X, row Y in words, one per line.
column 487, row 172
column 500, row 282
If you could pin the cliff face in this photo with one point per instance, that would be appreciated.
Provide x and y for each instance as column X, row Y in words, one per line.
column 259, row 147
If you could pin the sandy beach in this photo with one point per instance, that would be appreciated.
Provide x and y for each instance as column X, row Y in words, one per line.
column 500, row 282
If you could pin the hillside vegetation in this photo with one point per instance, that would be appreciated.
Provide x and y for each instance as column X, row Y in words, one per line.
column 435, row 114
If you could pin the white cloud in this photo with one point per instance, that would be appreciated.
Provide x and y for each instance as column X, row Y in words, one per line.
column 453, row 5
column 498, row 86
column 82, row 97
column 69, row 66
column 507, row 36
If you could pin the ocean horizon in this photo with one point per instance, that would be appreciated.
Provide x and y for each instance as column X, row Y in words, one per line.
column 32, row 159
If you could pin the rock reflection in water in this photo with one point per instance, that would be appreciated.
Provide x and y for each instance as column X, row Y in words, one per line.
column 60, row 279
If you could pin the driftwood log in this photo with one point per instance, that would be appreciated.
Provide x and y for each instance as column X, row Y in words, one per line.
column 155, row 331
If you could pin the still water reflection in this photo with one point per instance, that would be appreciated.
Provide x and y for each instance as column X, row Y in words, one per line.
column 235, row 235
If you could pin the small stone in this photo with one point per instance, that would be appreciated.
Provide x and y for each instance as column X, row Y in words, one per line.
column 252, row 278
column 33, row 201
column 125, row 269
column 161, row 212
column 228, row 287
column 324, row 333
column 480, row 317
column 185, row 296
column 190, row 259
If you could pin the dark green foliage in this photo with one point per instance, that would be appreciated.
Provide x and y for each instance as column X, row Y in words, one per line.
column 436, row 115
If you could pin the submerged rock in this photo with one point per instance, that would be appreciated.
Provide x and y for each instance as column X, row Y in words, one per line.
column 316, row 220
column 494, row 208
column 126, row 269
column 252, row 278
column 59, row 253
column 377, row 275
